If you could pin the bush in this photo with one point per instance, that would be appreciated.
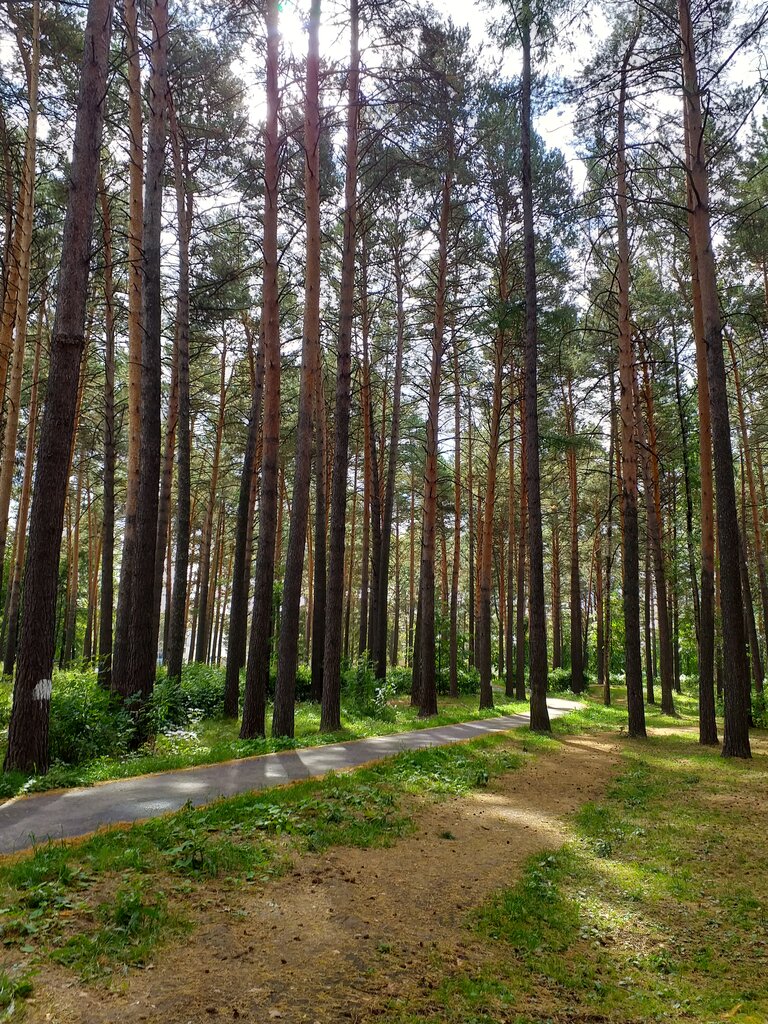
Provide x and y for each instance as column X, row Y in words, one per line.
column 367, row 695
column 86, row 721
column 759, row 711
column 400, row 678
column 468, row 680
column 559, row 679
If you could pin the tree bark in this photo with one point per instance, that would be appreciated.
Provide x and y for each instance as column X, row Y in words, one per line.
column 522, row 553
column 577, row 653
column 537, row 631
column 31, row 62
column 486, row 689
column 389, row 492
column 241, row 564
column 133, row 669
column 288, row 644
column 428, row 688
column 454, row 624
column 204, row 612
column 135, row 328
column 736, row 675
column 629, row 488
column 259, row 650
column 26, row 490
column 652, row 490
column 330, row 719
column 178, row 625
column 28, row 732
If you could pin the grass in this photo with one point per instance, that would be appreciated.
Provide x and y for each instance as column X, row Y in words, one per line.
column 214, row 739
column 108, row 901
column 654, row 910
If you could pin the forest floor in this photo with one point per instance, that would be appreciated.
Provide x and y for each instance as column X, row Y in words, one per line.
column 586, row 878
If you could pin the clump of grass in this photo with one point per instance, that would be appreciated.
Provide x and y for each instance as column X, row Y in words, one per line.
column 128, row 927
column 15, row 985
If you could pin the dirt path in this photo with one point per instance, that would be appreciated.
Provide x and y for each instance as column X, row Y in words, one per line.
column 348, row 930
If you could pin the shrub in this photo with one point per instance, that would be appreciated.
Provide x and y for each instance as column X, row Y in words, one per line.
column 86, row 721
column 365, row 694
column 559, row 679
column 468, row 680
column 400, row 678
column 759, row 711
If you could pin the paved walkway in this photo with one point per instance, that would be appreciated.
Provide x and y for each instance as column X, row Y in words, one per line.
column 69, row 813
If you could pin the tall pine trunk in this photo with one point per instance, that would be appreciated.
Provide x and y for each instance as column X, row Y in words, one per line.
column 259, row 650
column 135, row 327
column 330, row 718
column 241, row 563
column 28, row 732
column 134, row 671
column 537, row 630
column 177, row 630
column 736, row 674
column 629, row 488
column 288, row 645
column 389, row 492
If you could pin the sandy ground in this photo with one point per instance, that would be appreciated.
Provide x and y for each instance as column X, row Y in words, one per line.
column 344, row 932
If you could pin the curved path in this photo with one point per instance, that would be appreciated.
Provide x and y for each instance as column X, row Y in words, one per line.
column 69, row 813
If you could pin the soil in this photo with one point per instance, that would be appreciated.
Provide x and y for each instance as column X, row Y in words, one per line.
column 347, row 931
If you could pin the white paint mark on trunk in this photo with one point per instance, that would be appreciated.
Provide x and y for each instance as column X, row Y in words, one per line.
column 43, row 690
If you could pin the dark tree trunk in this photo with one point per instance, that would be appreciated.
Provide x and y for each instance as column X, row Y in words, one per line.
column 509, row 676
column 454, row 624
column 736, row 677
column 177, row 629
column 259, row 650
column 373, row 600
column 321, row 535
column 137, row 676
column 204, row 611
column 706, row 650
column 557, row 624
column 428, row 687
column 648, row 624
column 629, row 492
column 241, row 569
column 14, row 595
column 537, row 629
column 288, row 644
column 330, row 719
column 471, row 504
column 652, row 492
column 389, row 493
column 522, row 554
column 28, row 731
column 577, row 654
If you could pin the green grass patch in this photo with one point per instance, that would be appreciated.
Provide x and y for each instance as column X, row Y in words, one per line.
column 15, row 986
column 654, row 910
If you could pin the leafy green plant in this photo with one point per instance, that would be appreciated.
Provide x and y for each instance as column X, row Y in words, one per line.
column 14, row 986
column 366, row 694
column 129, row 930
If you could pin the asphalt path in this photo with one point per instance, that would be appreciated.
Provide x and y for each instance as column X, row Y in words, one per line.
column 66, row 814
